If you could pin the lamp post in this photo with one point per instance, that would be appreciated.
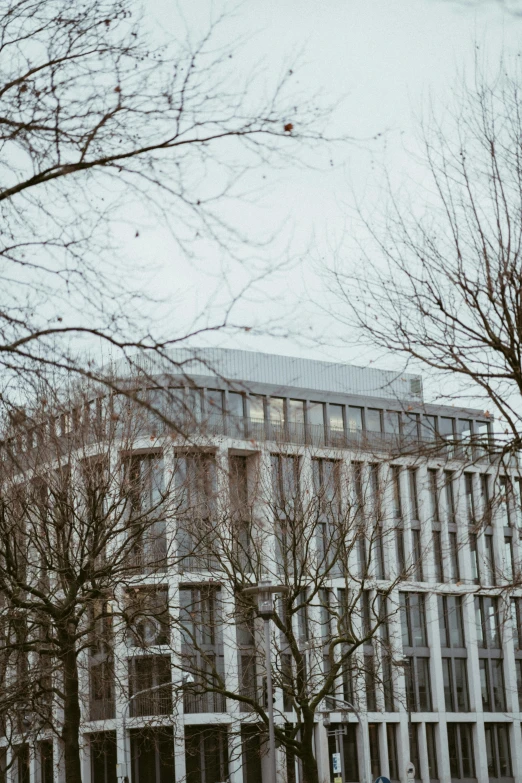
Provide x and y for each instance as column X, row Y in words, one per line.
column 184, row 680
column 347, row 705
column 265, row 609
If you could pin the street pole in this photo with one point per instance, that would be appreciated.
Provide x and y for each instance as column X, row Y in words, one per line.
column 265, row 609
column 350, row 706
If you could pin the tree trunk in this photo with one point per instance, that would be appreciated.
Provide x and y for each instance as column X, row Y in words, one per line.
column 308, row 760
column 71, row 717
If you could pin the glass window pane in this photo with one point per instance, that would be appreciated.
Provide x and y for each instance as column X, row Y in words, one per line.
column 316, row 414
column 429, row 428
column 504, row 755
column 484, row 685
column 235, row 404
column 335, row 413
column 423, row 684
column 354, row 419
column 215, row 402
column 490, row 751
column 466, row 746
column 454, row 616
column 497, row 678
column 391, row 734
column 461, row 685
column 432, row 751
column 277, row 410
column 257, row 408
column 373, row 420
column 446, row 427
column 448, row 685
column 392, row 422
column 411, row 426
column 417, row 620
column 296, row 411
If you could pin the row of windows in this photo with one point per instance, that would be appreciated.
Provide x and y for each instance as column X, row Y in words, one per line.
column 207, row 754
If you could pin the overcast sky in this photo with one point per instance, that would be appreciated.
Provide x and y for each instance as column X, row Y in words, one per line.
column 386, row 57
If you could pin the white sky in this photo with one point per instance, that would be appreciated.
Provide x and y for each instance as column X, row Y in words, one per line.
column 386, row 57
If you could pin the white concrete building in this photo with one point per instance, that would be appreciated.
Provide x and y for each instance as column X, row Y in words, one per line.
column 456, row 706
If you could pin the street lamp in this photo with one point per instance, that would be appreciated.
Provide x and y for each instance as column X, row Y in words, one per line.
column 346, row 705
column 265, row 609
column 185, row 679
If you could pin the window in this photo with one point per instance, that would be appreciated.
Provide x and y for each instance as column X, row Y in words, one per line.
column 375, row 756
column 215, row 408
column 236, row 413
column 518, row 668
column 257, row 409
column 241, row 513
column 343, row 737
column 354, row 419
column 488, row 560
column 103, row 755
column 46, row 763
column 296, row 413
column 414, row 497
column 431, row 747
column 487, row 619
column 277, row 414
column 503, row 502
column 316, row 414
column 434, row 495
column 373, row 420
column 482, row 435
column 146, row 672
column 391, row 736
column 285, row 482
column 147, row 613
column 460, row 746
column 450, row 497
column 415, row 646
column 437, row 556
column 464, row 433
column 516, row 623
column 236, row 404
column 370, row 681
column 206, row 754
column 456, row 693
column 498, row 750
column 202, row 648
column 413, row 620
column 411, row 426
column 195, row 478
column 492, row 684
column 336, row 422
column 453, row 558
column 447, row 433
column 429, row 428
column 378, row 533
column 144, row 478
column 470, row 498
column 396, row 486
column 473, row 551
column 450, row 621
column 485, row 499
column 152, row 755
column 417, row 555
column 509, row 565
column 325, row 473
column 392, row 424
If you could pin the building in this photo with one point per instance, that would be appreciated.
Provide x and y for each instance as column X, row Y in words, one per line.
column 437, row 678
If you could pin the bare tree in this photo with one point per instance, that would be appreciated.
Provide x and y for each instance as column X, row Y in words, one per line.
column 97, row 122
column 81, row 514
column 441, row 282
column 320, row 529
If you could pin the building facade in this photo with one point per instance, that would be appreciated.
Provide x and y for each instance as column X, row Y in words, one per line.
column 447, row 694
